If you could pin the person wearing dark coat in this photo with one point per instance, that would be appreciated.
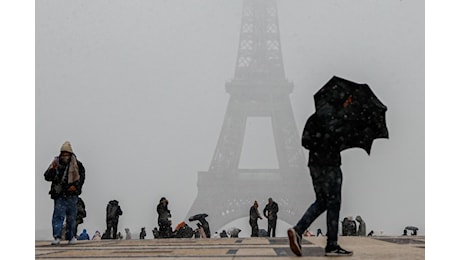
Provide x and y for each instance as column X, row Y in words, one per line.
column 67, row 176
column 254, row 215
column 324, row 163
column 271, row 213
column 143, row 233
column 113, row 212
column 327, row 182
column 164, row 218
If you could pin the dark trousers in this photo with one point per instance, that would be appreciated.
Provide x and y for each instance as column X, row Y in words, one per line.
column 112, row 226
column 64, row 208
column 272, row 227
column 254, row 228
column 327, row 182
column 165, row 229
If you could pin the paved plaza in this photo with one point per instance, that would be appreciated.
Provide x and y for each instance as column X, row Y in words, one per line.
column 412, row 247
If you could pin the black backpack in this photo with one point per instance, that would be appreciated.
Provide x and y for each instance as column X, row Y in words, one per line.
column 112, row 210
column 81, row 211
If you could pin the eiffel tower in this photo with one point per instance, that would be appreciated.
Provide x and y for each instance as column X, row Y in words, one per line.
column 259, row 89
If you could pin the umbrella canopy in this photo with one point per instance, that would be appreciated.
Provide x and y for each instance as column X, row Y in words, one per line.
column 198, row 217
column 347, row 115
column 411, row 228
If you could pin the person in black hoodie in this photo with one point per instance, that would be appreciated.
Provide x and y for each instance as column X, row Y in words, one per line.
column 164, row 218
column 324, row 162
column 67, row 176
column 113, row 212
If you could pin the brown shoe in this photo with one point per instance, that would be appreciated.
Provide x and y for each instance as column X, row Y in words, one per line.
column 295, row 242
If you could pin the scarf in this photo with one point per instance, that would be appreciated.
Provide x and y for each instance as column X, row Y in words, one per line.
column 73, row 173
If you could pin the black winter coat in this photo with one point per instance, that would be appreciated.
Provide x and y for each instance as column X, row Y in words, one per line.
column 163, row 212
column 113, row 211
column 58, row 179
column 271, row 211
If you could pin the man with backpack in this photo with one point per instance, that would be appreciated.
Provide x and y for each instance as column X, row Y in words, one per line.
column 113, row 211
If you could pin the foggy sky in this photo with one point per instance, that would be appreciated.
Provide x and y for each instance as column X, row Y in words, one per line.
column 137, row 87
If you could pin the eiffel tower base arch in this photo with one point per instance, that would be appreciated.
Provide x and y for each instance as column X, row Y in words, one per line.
column 227, row 199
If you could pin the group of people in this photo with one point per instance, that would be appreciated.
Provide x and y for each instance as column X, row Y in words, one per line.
column 270, row 212
column 182, row 230
column 113, row 212
column 67, row 176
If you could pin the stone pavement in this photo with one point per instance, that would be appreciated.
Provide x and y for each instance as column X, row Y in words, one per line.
column 379, row 247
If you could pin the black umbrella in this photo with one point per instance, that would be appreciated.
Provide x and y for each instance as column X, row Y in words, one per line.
column 412, row 228
column 198, row 217
column 347, row 115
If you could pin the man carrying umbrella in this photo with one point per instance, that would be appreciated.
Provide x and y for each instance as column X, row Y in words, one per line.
column 203, row 223
column 341, row 121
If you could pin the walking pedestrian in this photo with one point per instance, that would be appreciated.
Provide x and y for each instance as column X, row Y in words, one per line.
column 327, row 182
column 67, row 176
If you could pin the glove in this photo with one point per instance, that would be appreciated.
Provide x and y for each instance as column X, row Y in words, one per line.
column 55, row 163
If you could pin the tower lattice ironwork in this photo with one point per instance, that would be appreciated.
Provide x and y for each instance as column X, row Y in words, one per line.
column 259, row 89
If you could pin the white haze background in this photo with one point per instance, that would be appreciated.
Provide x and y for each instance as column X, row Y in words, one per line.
column 137, row 87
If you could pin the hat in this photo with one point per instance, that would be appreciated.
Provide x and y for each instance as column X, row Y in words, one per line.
column 66, row 147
